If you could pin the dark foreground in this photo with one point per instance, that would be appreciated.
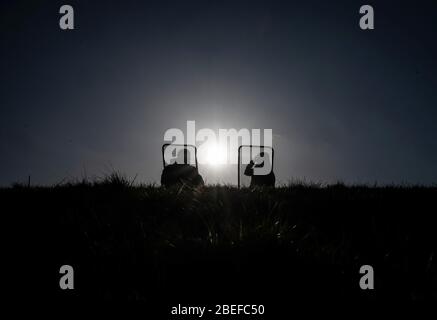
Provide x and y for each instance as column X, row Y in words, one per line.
column 224, row 245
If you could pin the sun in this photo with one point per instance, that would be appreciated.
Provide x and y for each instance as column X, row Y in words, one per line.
column 216, row 154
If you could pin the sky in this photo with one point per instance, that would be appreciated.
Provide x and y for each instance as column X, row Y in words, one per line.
column 344, row 104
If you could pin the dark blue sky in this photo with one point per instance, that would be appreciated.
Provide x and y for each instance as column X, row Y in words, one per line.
column 344, row 104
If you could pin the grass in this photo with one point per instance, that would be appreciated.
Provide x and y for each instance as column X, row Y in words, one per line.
column 130, row 241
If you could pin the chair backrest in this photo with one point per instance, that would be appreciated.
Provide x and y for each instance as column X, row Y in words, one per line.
column 184, row 146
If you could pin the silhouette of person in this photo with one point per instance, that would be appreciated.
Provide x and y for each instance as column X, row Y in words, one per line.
column 181, row 173
column 267, row 180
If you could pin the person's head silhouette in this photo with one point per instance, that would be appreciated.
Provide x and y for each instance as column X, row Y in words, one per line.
column 183, row 157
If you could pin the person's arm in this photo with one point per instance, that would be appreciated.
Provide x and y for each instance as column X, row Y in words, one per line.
column 249, row 169
column 259, row 165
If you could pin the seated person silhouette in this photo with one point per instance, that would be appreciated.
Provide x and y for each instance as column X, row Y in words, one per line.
column 267, row 180
column 182, row 173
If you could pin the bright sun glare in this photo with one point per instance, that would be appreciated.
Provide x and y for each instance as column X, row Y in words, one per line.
column 216, row 154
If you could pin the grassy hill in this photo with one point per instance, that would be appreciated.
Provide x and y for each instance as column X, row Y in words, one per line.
column 219, row 243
